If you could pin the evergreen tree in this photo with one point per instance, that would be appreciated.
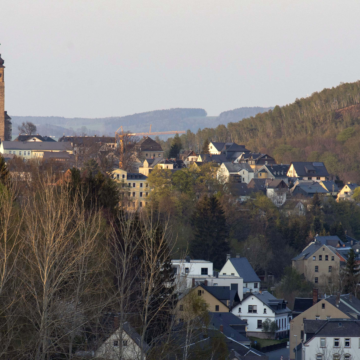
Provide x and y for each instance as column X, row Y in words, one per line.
column 205, row 148
column 4, row 171
column 176, row 147
column 351, row 273
column 210, row 232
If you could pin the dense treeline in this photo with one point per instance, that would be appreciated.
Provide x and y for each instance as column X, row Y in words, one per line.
column 322, row 127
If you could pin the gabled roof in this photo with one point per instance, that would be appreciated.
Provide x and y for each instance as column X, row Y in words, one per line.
column 244, row 269
column 236, row 148
column 236, row 167
column 348, row 304
column 135, row 176
column 308, row 251
column 277, row 171
column 352, row 187
column 218, row 145
column 257, row 184
column 276, row 183
column 304, row 169
column 223, row 293
column 219, row 159
column 240, row 189
column 148, row 144
column 330, row 240
column 330, row 185
column 270, row 300
column 312, row 326
column 309, row 187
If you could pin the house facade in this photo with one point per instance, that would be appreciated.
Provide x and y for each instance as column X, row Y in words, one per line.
column 241, row 267
column 257, row 307
column 134, row 188
column 148, row 148
column 315, row 171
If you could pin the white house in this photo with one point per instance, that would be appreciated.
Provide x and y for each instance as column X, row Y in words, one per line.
column 243, row 172
column 257, row 307
column 241, row 267
column 335, row 339
column 215, row 148
column 347, row 192
column 189, row 273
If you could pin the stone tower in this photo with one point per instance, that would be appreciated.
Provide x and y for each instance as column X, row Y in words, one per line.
column 5, row 123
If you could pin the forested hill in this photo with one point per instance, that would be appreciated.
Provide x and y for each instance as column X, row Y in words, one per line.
column 322, row 127
column 161, row 120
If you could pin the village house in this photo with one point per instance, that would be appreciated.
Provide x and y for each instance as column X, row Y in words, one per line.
column 274, row 172
column 241, row 172
column 330, row 186
column 308, row 188
column 33, row 149
column 241, row 267
column 217, row 159
column 319, row 262
column 336, row 339
column 190, row 273
column 133, row 187
column 347, row 192
column 257, row 307
column 256, row 160
column 295, row 207
column 276, row 191
column 315, row 171
column 333, row 307
column 148, row 148
column 189, row 157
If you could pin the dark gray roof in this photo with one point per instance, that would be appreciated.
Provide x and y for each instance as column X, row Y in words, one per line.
column 240, row 189
column 244, row 269
column 136, row 176
column 219, row 159
column 218, row 145
column 27, row 137
column 312, row 326
column 87, row 140
column 306, row 169
column 37, row 146
column 308, row 188
column 277, row 171
column 302, row 304
column 148, row 144
column 348, row 304
column 339, row 327
column 277, row 305
column 330, row 185
column 233, row 326
column 223, row 293
column 58, row 155
column 308, row 251
column 236, row 167
column 258, row 184
column 330, row 240
column 276, row 183
column 236, row 148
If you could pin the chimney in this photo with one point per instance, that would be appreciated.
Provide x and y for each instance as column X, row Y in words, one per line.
column 221, row 328
column 337, row 301
column 205, row 282
column 315, row 296
column 193, row 282
column 227, row 257
column 116, row 322
column 238, row 256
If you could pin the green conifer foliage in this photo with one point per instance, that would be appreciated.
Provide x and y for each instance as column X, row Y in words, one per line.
column 205, row 148
column 352, row 273
column 210, row 232
column 4, row 171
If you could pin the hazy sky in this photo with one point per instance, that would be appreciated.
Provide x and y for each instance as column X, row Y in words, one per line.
column 95, row 58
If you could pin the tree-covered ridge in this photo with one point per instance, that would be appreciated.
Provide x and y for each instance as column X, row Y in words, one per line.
column 322, row 127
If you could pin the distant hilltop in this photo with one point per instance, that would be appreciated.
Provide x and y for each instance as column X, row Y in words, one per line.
column 161, row 120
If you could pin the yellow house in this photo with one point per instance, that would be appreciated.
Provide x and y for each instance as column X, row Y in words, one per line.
column 346, row 192
column 134, row 188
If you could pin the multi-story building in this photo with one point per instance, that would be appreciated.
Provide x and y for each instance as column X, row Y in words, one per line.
column 134, row 189
column 147, row 148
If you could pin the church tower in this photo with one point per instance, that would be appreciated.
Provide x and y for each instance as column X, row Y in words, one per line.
column 5, row 123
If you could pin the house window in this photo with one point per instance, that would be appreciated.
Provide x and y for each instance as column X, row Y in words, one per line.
column 332, row 258
column 316, row 269
column 133, row 194
column 146, row 155
column 347, row 342
column 252, row 309
column 186, row 270
column 129, row 184
column 259, row 324
column 323, row 342
column 336, row 342
column 141, row 184
column 323, row 306
column 140, row 204
column 255, row 285
column 29, row 153
column 316, row 280
column 224, row 273
column 124, row 342
column 19, row 152
column 240, row 312
column 118, row 176
column 330, row 268
column 199, row 292
column 140, row 194
column 336, row 357
column 204, row 271
column 123, row 176
column 159, row 155
column 314, row 257
column 347, row 357
column 146, row 194
column 232, row 274
column 264, row 311
column 134, row 184
column 116, row 343
column 319, row 357
column 147, row 185
column 317, row 317
column 216, row 307
column 181, row 308
column 326, row 257
column 320, row 257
